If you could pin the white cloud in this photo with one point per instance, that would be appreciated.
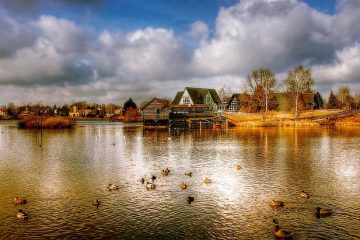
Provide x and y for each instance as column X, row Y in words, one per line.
column 275, row 34
column 199, row 30
column 65, row 35
column 344, row 70
column 55, row 59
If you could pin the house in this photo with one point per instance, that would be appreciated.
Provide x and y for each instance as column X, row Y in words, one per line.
column 234, row 103
column 156, row 112
column 197, row 96
column 74, row 112
column 3, row 112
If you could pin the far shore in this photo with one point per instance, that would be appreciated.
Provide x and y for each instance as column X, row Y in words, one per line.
column 237, row 120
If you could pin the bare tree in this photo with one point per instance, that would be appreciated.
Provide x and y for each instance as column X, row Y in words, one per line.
column 299, row 80
column 261, row 83
column 344, row 97
column 224, row 93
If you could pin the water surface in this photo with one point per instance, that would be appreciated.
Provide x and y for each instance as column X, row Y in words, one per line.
column 73, row 167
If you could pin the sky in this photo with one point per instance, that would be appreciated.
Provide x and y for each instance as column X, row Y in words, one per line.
column 60, row 51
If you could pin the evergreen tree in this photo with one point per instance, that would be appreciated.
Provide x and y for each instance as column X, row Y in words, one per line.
column 129, row 104
column 318, row 100
column 333, row 102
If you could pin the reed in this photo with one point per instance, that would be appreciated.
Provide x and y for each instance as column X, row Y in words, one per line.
column 46, row 122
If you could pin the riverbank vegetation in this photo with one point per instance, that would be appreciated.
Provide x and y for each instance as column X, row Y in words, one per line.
column 286, row 119
column 46, row 122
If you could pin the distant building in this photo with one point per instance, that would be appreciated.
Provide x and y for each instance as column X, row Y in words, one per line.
column 3, row 112
column 234, row 103
column 74, row 112
column 156, row 112
column 198, row 96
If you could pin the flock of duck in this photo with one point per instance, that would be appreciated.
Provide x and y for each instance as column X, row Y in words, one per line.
column 280, row 233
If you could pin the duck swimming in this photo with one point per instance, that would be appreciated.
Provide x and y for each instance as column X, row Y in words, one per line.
column 276, row 203
column 19, row 201
column 207, row 180
column 281, row 233
column 323, row 212
column 22, row 215
column 190, row 199
column 96, row 203
column 188, row 174
column 304, row 194
column 150, row 186
column 183, row 186
column 113, row 187
column 165, row 172
column 238, row 167
column 153, row 178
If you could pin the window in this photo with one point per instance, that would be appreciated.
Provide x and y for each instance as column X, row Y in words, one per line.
column 186, row 100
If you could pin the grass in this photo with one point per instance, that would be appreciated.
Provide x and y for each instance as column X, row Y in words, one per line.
column 349, row 121
column 46, row 122
column 286, row 119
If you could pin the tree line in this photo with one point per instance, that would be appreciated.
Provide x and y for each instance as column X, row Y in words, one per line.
column 262, row 95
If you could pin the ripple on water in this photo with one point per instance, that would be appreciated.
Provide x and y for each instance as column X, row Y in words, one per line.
column 73, row 168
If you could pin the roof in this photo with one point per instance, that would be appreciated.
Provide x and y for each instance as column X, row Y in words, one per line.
column 164, row 102
column 235, row 95
column 215, row 96
column 178, row 97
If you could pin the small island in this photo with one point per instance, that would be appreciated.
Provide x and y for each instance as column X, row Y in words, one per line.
column 46, row 122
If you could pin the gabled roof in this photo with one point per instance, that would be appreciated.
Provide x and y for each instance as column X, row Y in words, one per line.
column 197, row 95
column 235, row 95
column 215, row 96
column 178, row 97
column 164, row 102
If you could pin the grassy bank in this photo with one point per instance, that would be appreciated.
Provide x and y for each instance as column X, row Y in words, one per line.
column 285, row 119
column 46, row 122
column 349, row 121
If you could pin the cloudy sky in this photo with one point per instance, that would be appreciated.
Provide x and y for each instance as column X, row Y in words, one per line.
column 57, row 51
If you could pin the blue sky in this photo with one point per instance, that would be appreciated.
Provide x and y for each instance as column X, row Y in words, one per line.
column 110, row 50
column 127, row 15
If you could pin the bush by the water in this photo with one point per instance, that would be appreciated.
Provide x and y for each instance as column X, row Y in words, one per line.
column 46, row 122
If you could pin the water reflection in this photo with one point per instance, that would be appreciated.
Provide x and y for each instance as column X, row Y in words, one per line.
column 73, row 168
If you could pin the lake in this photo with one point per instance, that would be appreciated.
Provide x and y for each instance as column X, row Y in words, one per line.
column 73, row 167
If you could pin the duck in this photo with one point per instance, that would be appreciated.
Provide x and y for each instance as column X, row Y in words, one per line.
column 142, row 180
column 19, row 201
column 96, row 203
column 304, row 194
column 21, row 215
column 113, row 187
column 183, row 185
column 150, row 186
column 323, row 212
column 188, row 174
column 153, row 178
column 281, row 233
column 207, row 180
column 165, row 172
column 190, row 199
column 238, row 167
column 277, row 203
